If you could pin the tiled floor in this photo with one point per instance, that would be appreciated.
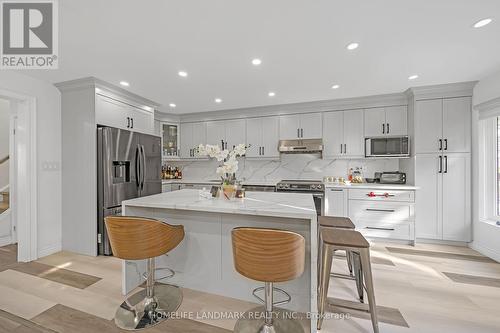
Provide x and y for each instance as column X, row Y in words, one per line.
column 426, row 289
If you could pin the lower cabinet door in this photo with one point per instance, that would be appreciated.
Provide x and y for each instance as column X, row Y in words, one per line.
column 456, row 198
column 428, row 222
column 335, row 202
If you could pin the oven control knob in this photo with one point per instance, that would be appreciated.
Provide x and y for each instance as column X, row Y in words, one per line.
column 287, row 186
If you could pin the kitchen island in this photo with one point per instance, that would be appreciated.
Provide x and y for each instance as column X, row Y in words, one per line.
column 204, row 259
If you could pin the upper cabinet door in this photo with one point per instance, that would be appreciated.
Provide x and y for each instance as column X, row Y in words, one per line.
column 270, row 136
column 199, row 134
column 354, row 142
column 375, row 122
column 254, row 137
column 311, row 126
column 235, row 132
column 290, row 127
column 216, row 132
column 186, row 137
column 110, row 112
column 333, row 133
column 429, row 126
column 396, row 119
column 140, row 120
column 457, row 125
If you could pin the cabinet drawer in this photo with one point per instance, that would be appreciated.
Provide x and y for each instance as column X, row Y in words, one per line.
column 396, row 231
column 380, row 212
column 382, row 195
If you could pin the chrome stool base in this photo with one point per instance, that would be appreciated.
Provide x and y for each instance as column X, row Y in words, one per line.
column 253, row 321
column 139, row 312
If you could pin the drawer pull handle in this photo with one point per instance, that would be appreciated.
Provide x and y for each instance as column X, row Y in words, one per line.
column 380, row 210
column 374, row 228
column 385, row 195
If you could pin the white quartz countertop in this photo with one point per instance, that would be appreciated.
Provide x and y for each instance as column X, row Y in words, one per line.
column 291, row 205
column 374, row 186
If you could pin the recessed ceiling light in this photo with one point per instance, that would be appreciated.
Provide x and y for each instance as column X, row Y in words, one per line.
column 183, row 74
column 352, row 46
column 124, row 83
column 413, row 77
column 482, row 22
column 218, row 100
column 271, row 94
column 172, row 105
column 335, row 86
column 256, row 62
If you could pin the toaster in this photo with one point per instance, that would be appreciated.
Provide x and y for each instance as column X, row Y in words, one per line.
column 395, row 177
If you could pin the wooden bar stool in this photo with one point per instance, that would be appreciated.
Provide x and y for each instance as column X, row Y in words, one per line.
column 353, row 259
column 269, row 256
column 134, row 238
column 347, row 240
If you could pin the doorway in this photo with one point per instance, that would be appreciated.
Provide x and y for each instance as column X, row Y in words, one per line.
column 18, row 224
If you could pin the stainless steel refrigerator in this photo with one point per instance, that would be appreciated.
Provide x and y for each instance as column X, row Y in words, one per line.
column 128, row 167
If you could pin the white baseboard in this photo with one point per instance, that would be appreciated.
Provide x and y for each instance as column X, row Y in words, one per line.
column 5, row 240
column 48, row 250
column 442, row 242
column 487, row 251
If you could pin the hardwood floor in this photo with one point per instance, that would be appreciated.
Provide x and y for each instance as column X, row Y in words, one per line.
column 426, row 289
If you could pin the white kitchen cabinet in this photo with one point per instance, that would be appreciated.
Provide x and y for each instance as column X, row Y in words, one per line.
column 388, row 121
column 343, row 134
column 333, row 134
column 216, row 132
column 235, row 132
column 457, row 125
column 290, row 127
column 374, row 122
column 115, row 113
column 336, row 202
column 226, row 132
column 311, row 126
column 383, row 213
column 428, row 126
column 443, row 200
column 443, row 125
column 262, row 134
column 428, row 200
column 191, row 136
column 456, row 197
column 396, row 118
column 301, row 126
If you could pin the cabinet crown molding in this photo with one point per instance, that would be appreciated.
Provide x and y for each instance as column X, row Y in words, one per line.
column 449, row 90
column 107, row 89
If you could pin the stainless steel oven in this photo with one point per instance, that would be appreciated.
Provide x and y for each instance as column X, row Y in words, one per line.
column 314, row 187
column 397, row 146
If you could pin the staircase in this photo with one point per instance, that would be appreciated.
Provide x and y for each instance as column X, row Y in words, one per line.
column 4, row 201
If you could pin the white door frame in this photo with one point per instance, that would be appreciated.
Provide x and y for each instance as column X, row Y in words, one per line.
column 23, row 166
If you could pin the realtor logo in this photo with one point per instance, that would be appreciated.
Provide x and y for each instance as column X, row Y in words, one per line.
column 29, row 34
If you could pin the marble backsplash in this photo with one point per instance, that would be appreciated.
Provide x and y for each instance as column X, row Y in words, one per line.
column 289, row 166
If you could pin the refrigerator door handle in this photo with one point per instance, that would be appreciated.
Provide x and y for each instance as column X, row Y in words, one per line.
column 143, row 167
column 137, row 167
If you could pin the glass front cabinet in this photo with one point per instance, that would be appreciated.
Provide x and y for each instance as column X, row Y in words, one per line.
column 170, row 140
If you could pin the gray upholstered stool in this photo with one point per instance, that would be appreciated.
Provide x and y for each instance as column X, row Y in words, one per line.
column 348, row 240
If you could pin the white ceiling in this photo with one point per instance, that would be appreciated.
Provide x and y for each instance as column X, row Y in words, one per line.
column 302, row 45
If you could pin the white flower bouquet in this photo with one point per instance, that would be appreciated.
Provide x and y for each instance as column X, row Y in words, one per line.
column 228, row 158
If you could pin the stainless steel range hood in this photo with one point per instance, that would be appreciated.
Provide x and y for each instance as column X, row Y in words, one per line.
column 301, row 146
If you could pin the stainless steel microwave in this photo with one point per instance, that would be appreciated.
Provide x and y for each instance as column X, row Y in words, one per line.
column 395, row 146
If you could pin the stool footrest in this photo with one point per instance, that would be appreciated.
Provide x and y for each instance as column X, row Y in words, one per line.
column 342, row 303
column 170, row 275
column 281, row 291
column 342, row 276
